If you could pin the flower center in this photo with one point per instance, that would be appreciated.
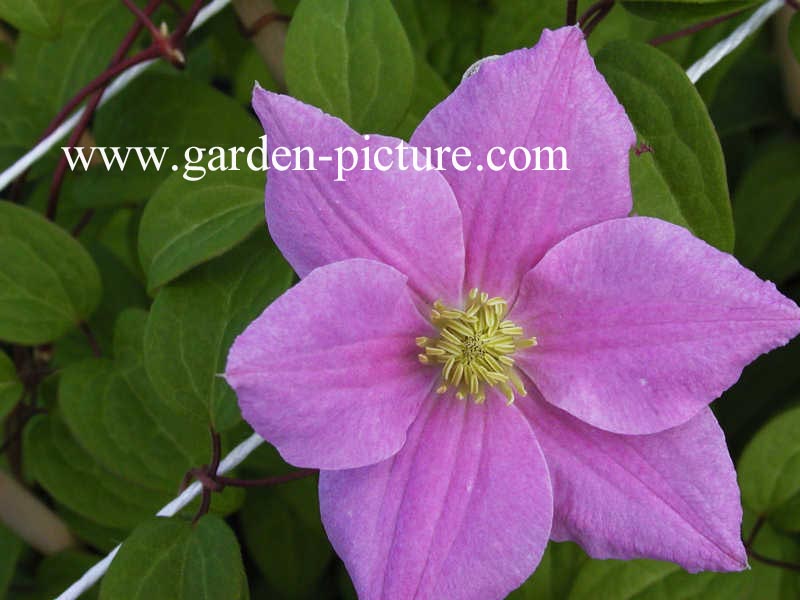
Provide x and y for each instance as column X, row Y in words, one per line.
column 475, row 347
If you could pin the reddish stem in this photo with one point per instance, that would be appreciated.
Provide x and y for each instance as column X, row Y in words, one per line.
column 85, row 219
column 124, row 47
column 143, row 18
column 774, row 562
column 572, row 12
column 593, row 9
column 207, row 475
column 98, row 83
column 754, row 532
column 213, row 482
column 265, row 481
column 663, row 39
column 161, row 46
column 186, row 22
column 601, row 14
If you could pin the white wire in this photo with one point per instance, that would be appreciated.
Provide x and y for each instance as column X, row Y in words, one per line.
column 243, row 450
column 121, row 82
column 730, row 43
column 207, row 12
column 94, row 574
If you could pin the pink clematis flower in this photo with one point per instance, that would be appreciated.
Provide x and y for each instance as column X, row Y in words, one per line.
column 430, row 300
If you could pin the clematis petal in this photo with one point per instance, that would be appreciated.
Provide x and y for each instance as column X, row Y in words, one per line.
column 462, row 511
column 407, row 219
column 328, row 373
column 640, row 324
column 548, row 96
column 670, row 495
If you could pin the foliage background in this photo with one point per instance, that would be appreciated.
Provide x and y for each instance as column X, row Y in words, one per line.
column 112, row 338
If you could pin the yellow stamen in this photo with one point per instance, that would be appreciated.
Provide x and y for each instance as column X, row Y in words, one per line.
column 475, row 347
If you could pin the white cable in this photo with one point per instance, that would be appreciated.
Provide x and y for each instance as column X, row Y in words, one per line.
column 730, row 43
column 243, row 450
column 94, row 574
column 47, row 144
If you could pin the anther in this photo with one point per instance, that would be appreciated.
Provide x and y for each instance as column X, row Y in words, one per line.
column 474, row 347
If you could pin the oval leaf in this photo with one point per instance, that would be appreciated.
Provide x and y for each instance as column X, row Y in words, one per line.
column 187, row 223
column 107, row 404
column 171, row 559
column 683, row 180
column 352, row 59
column 555, row 575
column 194, row 320
column 766, row 210
column 48, row 281
column 39, row 17
column 649, row 579
column 54, row 70
column 679, row 11
column 769, row 471
column 74, row 479
column 284, row 536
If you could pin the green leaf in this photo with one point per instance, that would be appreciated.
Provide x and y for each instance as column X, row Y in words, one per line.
column 10, row 550
column 48, row 281
column 686, row 173
column 187, row 223
column 770, row 581
column 10, row 386
column 286, row 7
column 171, row 559
column 172, row 111
column 251, row 68
column 773, row 378
column 555, row 575
column 680, row 11
column 518, row 23
column 769, row 471
column 352, row 59
column 429, row 90
column 189, row 118
column 651, row 191
column 109, row 404
column 22, row 119
column 794, row 34
column 54, row 70
column 94, row 534
column 654, row 580
column 58, row 571
column 39, row 17
column 755, row 82
column 447, row 33
column 74, row 479
column 194, row 320
column 121, row 289
column 197, row 124
column 284, row 536
column 766, row 211
column 115, row 414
